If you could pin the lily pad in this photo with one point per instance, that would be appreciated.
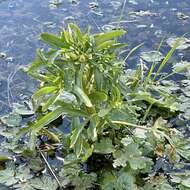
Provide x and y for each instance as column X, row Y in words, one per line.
column 44, row 183
column 186, row 182
column 181, row 67
column 152, row 56
column 22, row 109
column 184, row 42
column 12, row 120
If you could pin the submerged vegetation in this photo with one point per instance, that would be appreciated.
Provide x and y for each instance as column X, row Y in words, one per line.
column 121, row 129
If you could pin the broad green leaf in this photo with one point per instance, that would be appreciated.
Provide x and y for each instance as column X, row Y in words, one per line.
column 44, row 91
column 126, row 181
column 130, row 154
column 36, row 164
column 77, row 145
column 152, row 56
column 186, row 182
column 53, row 40
column 98, row 97
column 76, row 134
column 47, row 119
column 108, row 180
column 7, row 177
column 104, row 112
column 99, row 80
column 101, row 38
column 92, row 129
column 106, row 44
column 183, row 42
column 38, row 62
column 49, row 102
column 44, row 183
column 117, row 46
column 70, row 111
column 77, row 31
column 105, row 146
column 84, row 181
column 67, row 97
column 181, row 67
column 82, row 96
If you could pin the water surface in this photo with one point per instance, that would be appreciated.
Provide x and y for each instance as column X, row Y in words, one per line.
column 22, row 21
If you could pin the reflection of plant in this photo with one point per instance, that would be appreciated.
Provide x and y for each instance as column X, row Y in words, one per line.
column 118, row 119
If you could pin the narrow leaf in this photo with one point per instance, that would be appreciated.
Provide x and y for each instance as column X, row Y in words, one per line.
column 53, row 40
column 44, row 91
column 82, row 96
column 101, row 38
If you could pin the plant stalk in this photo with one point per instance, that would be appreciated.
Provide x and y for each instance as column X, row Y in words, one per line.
column 50, row 168
column 131, row 125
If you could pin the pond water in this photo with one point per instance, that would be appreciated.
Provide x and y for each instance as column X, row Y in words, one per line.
column 22, row 21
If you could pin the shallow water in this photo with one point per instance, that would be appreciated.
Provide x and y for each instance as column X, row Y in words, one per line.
column 22, row 21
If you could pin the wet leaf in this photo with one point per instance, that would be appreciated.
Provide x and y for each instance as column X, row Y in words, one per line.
column 82, row 96
column 4, row 156
column 22, row 109
column 12, row 120
column 152, row 56
column 44, row 183
column 105, row 146
column 184, row 43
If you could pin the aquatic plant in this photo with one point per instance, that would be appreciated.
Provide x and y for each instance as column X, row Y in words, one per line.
column 120, row 135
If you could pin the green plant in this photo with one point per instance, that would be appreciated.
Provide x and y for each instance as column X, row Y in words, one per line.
column 118, row 128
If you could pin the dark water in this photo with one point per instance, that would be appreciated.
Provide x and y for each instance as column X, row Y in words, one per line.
column 21, row 22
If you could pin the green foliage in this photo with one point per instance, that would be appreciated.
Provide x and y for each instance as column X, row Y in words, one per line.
column 120, row 136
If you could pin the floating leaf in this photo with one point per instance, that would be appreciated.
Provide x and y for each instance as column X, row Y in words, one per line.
column 44, row 183
column 152, row 56
column 186, row 182
column 12, row 120
column 22, row 109
column 184, row 43
column 7, row 177
column 181, row 67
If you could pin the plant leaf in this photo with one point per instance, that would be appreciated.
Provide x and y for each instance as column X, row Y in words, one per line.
column 82, row 96
column 53, row 40
column 101, row 38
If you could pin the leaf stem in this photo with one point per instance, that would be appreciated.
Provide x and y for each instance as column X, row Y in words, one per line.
column 131, row 125
column 50, row 168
